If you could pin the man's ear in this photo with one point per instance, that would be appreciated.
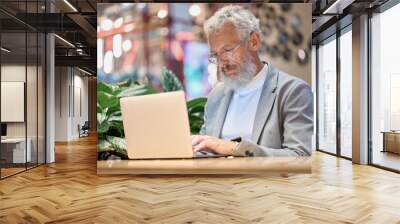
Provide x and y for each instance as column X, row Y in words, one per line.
column 255, row 41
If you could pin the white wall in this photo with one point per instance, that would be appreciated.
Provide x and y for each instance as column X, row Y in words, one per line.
column 79, row 117
column 33, row 127
column 70, row 83
column 62, row 81
column 16, row 73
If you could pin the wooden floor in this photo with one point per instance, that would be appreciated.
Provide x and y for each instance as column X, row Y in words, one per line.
column 5, row 172
column 69, row 191
column 386, row 159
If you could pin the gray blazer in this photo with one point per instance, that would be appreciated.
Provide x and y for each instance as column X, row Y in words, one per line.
column 283, row 124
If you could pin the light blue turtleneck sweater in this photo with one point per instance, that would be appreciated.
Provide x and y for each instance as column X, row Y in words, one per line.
column 242, row 108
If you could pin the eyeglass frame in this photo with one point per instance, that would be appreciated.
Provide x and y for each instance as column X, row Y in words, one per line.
column 230, row 51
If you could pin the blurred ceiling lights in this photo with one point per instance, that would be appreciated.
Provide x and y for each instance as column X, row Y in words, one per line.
column 65, row 41
column 337, row 7
column 5, row 50
column 84, row 71
column 70, row 5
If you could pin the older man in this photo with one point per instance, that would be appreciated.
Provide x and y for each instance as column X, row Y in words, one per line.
column 257, row 110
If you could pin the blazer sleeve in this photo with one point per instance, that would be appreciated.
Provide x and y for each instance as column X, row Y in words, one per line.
column 297, row 127
column 209, row 109
column 203, row 129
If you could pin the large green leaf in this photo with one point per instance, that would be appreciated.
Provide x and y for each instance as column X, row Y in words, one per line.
column 201, row 101
column 102, row 124
column 196, row 110
column 136, row 91
column 115, row 113
column 117, row 144
column 196, row 113
column 126, row 83
column 107, row 100
column 196, row 105
column 116, row 126
column 169, row 81
column 103, row 145
column 101, row 117
column 108, row 88
column 105, row 149
column 115, row 118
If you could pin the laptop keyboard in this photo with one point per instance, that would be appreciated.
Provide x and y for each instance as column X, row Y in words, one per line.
column 206, row 154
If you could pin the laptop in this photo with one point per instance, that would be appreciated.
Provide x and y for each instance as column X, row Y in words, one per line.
column 156, row 126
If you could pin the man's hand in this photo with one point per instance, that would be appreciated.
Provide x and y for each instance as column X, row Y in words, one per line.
column 209, row 143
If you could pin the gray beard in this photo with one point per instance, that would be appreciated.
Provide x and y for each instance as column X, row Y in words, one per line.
column 245, row 75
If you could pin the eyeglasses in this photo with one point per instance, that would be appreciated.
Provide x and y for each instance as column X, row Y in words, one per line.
column 228, row 53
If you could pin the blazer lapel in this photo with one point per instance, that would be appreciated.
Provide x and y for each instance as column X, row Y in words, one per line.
column 221, row 113
column 266, row 102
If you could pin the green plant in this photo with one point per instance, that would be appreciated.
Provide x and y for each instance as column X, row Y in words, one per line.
column 195, row 109
column 109, row 118
column 169, row 81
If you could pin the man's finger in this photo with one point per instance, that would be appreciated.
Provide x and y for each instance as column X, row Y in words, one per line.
column 201, row 146
column 198, row 138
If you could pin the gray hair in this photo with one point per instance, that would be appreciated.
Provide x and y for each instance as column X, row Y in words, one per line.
column 243, row 20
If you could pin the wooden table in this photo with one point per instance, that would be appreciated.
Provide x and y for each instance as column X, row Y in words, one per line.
column 391, row 141
column 14, row 152
column 238, row 165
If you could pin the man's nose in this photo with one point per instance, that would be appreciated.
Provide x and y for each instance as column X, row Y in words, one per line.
column 222, row 61
column 223, row 58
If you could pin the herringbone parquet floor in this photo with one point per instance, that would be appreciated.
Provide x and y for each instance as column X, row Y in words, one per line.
column 69, row 191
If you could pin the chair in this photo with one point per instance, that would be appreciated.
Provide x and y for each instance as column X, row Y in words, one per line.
column 84, row 130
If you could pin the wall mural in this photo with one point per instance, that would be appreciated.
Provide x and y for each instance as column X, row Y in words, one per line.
column 282, row 33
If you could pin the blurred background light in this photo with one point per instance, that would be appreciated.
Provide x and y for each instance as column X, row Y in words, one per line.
column 127, row 45
column 108, row 62
column 106, row 24
column 118, row 22
column 162, row 13
column 194, row 10
column 100, row 52
column 117, row 45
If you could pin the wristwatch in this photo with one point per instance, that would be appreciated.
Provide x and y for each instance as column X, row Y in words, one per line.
column 237, row 141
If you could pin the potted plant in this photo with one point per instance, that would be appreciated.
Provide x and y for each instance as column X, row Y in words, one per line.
column 111, row 141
